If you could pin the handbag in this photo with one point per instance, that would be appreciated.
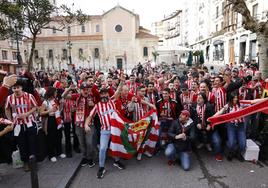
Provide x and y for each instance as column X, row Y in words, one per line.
column 16, row 160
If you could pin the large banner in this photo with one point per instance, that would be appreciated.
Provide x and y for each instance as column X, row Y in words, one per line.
column 128, row 138
column 258, row 107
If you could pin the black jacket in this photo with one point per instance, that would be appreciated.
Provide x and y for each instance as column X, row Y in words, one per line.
column 209, row 111
column 177, row 128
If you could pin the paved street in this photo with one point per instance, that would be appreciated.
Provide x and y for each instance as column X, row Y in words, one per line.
column 155, row 172
column 50, row 175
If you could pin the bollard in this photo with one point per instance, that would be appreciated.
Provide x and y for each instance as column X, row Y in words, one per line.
column 34, row 175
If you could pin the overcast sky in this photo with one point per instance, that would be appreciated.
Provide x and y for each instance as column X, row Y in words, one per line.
column 149, row 10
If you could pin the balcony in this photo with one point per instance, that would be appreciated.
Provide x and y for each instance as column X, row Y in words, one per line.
column 218, row 33
column 171, row 28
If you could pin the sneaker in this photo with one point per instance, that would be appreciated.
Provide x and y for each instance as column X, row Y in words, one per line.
column 119, row 165
column 240, row 157
column 148, row 154
column 84, row 162
column 230, row 156
column 90, row 163
column 208, row 147
column 171, row 162
column 62, row 156
column 77, row 150
column 218, row 157
column 69, row 155
column 101, row 172
column 200, row 145
column 139, row 156
column 53, row 159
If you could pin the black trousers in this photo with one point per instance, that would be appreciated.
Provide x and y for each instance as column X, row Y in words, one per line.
column 67, row 133
column 27, row 140
column 6, row 148
column 54, row 137
column 75, row 138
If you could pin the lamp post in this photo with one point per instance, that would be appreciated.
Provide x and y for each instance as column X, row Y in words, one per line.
column 19, row 59
column 69, row 45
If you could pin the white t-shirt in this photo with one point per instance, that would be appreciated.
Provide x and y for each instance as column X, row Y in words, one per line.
column 49, row 105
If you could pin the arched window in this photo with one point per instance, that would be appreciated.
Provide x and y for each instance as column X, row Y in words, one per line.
column 145, row 52
column 96, row 53
column 83, row 29
column 64, row 54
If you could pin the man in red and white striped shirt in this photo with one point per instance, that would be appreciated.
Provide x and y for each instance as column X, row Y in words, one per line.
column 20, row 108
column 140, row 105
column 220, row 101
column 104, row 109
column 132, row 84
column 219, row 93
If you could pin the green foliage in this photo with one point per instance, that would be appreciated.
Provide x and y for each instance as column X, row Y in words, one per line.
column 155, row 54
column 33, row 16
column 201, row 58
column 196, row 53
column 190, row 59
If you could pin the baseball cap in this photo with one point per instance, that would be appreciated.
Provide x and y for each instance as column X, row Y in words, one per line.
column 84, row 85
column 185, row 112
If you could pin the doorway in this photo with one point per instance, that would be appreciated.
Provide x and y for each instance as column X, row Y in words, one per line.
column 119, row 63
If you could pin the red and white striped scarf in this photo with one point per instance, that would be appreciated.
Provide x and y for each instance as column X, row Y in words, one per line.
column 173, row 95
column 140, row 111
column 184, row 99
column 201, row 114
column 68, row 105
column 151, row 98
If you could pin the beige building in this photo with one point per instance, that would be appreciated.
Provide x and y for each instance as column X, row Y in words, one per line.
column 8, row 52
column 112, row 39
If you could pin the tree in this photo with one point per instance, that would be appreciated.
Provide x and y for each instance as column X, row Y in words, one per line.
column 261, row 30
column 190, row 59
column 33, row 16
column 155, row 54
column 201, row 58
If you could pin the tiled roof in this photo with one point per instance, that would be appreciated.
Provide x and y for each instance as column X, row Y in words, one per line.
column 142, row 34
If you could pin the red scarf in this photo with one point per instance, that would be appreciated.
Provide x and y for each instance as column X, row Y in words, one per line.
column 201, row 114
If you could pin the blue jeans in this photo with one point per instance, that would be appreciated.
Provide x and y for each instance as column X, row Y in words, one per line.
column 236, row 135
column 104, row 141
column 164, row 126
column 216, row 141
column 170, row 152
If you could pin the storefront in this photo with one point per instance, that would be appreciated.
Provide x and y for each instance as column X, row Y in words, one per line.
column 218, row 53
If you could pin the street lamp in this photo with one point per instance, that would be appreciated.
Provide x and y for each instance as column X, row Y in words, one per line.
column 69, row 45
column 19, row 59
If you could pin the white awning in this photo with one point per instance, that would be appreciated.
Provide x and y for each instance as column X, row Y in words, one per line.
column 173, row 48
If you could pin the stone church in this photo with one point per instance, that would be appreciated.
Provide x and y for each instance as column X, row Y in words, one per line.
column 113, row 39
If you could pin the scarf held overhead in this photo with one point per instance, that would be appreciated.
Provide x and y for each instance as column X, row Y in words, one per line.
column 258, row 107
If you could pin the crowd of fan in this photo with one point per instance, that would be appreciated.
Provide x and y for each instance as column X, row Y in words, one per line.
column 79, row 103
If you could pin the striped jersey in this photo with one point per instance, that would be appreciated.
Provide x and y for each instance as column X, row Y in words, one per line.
column 104, row 110
column 220, row 98
column 235, row 108
column 140, row 110
column 21, row 105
